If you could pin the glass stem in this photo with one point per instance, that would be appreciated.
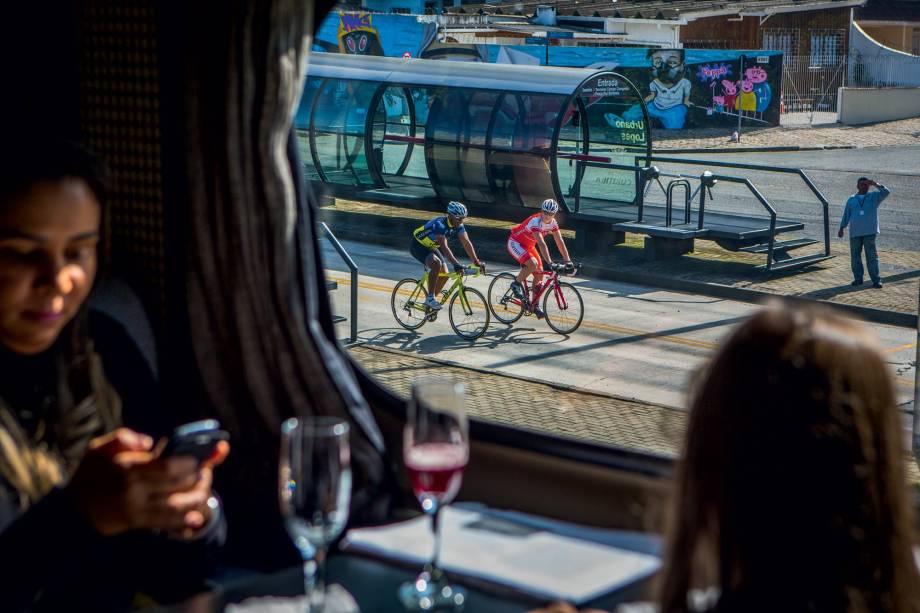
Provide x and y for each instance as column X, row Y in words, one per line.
column 314, row 577
column 435, row 528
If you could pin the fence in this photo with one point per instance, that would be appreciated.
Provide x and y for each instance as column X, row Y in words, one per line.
column 883, row 71
column 810, row 83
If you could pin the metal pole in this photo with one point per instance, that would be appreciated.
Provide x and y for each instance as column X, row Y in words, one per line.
column 740, row 106
column 915, row 442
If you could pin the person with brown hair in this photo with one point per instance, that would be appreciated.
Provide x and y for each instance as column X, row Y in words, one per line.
column 90, row 514
column 791, row 493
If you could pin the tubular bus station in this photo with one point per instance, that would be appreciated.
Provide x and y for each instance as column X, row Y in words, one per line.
column 502, row 138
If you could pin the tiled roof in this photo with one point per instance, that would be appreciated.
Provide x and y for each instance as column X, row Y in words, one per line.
column 889, row 10
column 649, row 9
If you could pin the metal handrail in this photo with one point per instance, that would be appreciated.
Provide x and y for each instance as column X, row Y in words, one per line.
column 672, row 185
column 760, row 198
column 727, row 178
column 825, row 206
column 354, row 277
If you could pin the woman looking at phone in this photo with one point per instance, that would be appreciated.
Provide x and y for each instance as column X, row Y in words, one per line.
column 91, row 515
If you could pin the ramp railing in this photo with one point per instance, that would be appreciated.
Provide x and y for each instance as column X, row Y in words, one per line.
column 353, row 317
column 825, row 206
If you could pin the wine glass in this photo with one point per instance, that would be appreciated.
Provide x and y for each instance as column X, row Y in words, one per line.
column 435, row 450
column 314, row 486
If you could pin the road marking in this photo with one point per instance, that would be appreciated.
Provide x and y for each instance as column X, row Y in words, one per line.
column 900, row 348
column 676, row 340
column 594, row 325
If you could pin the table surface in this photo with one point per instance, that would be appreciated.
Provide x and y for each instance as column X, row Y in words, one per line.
column 373, row 582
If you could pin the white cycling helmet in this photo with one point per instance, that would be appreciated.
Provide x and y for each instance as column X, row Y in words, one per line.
column 456, row 209
column 549, row 206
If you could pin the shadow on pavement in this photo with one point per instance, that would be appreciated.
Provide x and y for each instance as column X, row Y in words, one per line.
column 497, row 335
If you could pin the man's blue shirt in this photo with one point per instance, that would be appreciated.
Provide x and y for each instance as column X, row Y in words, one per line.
column 861, row 212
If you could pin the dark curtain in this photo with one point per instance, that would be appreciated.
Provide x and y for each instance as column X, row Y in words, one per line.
column 255, row 293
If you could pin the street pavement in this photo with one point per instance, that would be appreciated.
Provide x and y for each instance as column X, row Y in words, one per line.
column 794, row 132
column 635, row 343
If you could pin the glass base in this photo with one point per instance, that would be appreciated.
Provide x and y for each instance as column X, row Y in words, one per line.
column 431, row 592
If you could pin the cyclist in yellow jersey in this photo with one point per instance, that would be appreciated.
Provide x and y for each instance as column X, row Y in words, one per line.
column 429, row 246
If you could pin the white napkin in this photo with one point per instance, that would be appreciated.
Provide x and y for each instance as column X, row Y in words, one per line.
column 533, row 561
column 338, row 600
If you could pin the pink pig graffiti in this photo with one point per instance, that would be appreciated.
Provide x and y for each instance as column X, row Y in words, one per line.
column 747, row 86
column 755, row 74
column 731, row 90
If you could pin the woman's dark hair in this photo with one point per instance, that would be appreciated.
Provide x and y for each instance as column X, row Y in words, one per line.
column 25, row 163
column 86, row 405
column 791, row 495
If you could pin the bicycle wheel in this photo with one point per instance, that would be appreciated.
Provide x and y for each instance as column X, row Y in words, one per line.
column 564, row 308
column 506, row 308
column 469, row 314
column 407, row 302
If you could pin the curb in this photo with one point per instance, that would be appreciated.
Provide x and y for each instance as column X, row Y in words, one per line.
column 786, row 148
column 348, row 230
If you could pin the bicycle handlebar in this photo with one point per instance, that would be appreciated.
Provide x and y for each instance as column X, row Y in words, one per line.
column 468, row 271
column 560, row 268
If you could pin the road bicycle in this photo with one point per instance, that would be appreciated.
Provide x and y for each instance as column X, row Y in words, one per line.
column 468, row 310
column 562, row 304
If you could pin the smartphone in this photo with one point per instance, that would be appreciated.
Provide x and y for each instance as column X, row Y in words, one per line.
column 197, row 439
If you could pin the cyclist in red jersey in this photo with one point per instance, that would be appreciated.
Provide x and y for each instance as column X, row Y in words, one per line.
column 526, row 244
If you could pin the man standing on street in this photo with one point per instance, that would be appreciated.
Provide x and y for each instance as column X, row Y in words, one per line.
column 861, row 213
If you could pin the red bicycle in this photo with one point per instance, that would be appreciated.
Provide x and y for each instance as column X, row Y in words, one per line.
column 562, row 303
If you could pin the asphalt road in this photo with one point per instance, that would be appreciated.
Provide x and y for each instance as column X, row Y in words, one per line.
column 635, row 342
column 834, row 172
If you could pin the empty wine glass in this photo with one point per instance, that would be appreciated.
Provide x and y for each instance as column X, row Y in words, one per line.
column 436, row 451
column 314, row 488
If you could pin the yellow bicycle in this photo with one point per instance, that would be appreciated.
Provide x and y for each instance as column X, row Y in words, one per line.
column 468, row 309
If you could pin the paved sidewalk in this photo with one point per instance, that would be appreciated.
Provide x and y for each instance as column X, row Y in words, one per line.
column 901, row 133
column 709, row 264
column 530, row 405
column 538, row 406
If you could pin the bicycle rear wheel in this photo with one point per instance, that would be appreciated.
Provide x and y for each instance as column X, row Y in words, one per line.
column 408, row 304
column 506, row 308
column 564, row 308
column 469, row 313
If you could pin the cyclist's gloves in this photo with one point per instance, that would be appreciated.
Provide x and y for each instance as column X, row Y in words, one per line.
column 569, row 268
column 482, row 266
column 547, row 267
column 458, row 267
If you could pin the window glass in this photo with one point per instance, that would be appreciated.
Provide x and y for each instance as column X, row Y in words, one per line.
column 302, row 127
column 781, row 39
column 503, row 137
column 826, row 47
column 339, row 134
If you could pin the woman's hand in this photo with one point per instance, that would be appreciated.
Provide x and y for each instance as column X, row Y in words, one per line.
column 122, row 484
column 200, row 511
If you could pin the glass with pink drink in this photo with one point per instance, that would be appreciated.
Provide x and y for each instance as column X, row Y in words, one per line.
column 435, row 451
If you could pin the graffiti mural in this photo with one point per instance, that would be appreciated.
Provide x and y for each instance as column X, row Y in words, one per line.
column 683, row 88
column 690, row 88
column 363, row 33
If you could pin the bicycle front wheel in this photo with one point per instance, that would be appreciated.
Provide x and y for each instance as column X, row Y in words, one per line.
column 506, row 308
column 564, row 308
column 469, row 313
column 408, row 304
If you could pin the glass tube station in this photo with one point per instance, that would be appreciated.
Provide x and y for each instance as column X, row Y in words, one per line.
column 390, row 129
